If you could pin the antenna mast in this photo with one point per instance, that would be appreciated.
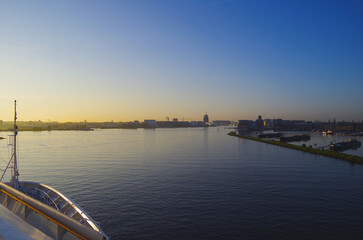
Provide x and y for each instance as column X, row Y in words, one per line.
column 14, row 173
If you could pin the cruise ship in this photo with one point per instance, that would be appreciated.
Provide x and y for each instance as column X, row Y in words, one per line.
column 31, row 210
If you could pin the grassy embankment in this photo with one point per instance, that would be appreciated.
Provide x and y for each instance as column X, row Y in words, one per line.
column 327, row 153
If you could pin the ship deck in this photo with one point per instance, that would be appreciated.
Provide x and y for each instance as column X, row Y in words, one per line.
column 53, row 222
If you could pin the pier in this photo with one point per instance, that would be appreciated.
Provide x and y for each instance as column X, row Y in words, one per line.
column 327, row 153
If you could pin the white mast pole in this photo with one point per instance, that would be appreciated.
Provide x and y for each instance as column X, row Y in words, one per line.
column 15, row 179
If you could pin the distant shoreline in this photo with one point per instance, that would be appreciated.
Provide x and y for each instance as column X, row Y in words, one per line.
column 90, row 129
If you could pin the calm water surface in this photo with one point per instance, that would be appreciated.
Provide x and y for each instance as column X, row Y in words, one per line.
column 196, row 183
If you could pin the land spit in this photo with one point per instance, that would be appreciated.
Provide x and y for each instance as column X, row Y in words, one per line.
column 327, row 153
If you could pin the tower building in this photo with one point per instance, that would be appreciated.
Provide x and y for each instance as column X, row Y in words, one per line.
column 205, row 118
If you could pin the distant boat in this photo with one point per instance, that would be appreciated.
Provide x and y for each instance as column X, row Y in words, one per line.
column 295, row 138
column 341, row 146
column 231, row 127
column 270, row 134
column 85, row 129
column 329, row 132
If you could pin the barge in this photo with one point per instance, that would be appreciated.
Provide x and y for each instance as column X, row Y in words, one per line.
column 269, row 134
column 342, row 146
column 295, row 138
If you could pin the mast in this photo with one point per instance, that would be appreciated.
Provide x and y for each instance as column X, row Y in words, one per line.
column 14, row 172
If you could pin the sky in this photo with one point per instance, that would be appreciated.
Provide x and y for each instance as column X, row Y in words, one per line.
column 135, row 60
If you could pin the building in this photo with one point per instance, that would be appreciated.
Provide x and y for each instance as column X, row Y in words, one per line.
column 259, row 123
column 150, row 123
column 267, row 123
column 245, row 125
column 175, row 120
column 198, row 124
column 205, row 118
column 221, row 122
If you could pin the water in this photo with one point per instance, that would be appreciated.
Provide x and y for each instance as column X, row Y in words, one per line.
column 196, row 184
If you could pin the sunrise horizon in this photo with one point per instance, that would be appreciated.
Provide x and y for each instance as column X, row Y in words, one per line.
column 136, row 60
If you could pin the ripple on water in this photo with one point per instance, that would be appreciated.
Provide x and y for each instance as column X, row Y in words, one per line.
column 196, row 184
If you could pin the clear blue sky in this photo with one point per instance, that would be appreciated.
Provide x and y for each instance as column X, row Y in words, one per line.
column 128, row 60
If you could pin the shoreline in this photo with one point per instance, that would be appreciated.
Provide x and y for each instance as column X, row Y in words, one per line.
column 92, row 129
column 326, row 153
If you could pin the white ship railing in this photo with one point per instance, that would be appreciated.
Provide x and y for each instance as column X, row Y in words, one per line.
column 45, row 218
